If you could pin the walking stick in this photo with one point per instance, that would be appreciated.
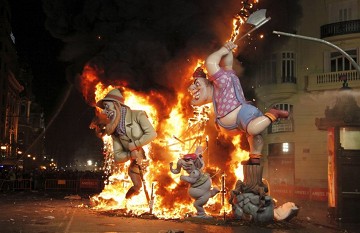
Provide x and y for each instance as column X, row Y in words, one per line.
column 151, row 204
column 223, row 192
column 144, row 184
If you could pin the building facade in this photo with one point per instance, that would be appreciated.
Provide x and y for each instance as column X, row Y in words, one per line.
column 305, row 77
column 9, row 86
column 21, row 119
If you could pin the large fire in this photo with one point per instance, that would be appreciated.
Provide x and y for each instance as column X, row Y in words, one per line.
column 163, row 194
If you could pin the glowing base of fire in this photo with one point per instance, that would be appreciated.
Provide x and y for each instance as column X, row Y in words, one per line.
column 113, row 198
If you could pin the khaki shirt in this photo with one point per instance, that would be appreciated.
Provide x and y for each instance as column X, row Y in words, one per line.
column 138, row 130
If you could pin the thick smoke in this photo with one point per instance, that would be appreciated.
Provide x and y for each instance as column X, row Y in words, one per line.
column 149, row 44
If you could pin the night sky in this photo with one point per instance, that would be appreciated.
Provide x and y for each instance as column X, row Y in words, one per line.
column 68, row 116
column 143, row 43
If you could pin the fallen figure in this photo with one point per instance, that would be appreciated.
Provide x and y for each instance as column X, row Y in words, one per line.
column 253, row 204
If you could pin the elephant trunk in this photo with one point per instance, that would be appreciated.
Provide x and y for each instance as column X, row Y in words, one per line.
column 177, row 170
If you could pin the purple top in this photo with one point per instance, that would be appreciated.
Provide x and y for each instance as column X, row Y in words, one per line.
column 228, row 93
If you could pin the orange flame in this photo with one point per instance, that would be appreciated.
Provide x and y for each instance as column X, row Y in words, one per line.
column 112, row 197
column 238, row 156
column 179, row 134
column 240, row 18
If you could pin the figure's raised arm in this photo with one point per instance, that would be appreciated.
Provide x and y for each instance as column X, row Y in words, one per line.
column 212, row 62
column 228, row 59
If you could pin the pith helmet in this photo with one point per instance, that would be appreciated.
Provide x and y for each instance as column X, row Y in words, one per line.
column 113, row 95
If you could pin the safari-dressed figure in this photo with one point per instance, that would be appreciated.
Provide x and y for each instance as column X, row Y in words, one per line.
column 200, row 183
column 130, row 131
column 234, row 114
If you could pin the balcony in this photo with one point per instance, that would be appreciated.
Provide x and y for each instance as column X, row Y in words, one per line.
column 282, row 125
column 340, row 28
column 332, row 81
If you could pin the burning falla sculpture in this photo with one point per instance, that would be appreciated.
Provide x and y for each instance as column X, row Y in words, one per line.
column 235, row 116
column 130, row 130
column 200, row 183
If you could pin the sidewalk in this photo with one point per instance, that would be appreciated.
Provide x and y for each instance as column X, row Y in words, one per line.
column 317, row 213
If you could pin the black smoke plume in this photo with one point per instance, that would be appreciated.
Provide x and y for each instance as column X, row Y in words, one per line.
column 149, row 43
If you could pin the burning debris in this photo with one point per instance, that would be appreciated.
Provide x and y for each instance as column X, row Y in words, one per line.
column 134, row 53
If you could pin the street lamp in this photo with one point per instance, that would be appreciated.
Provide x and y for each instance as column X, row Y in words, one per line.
column 353, row 62
column 3, row 151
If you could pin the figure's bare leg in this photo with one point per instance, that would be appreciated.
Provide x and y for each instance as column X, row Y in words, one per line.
column 258, row 125
column 256, row 144
column 254, row 130
column 134, row 174
column 200, row 202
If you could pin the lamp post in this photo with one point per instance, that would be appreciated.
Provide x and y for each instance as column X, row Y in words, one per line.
column 3, row 151
column 353, row 62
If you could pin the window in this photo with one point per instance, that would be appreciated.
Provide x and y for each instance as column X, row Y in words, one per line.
column 288, row 67
column 338, row 62
column 340, row 11
column 282, row 125
column 282, row 149
column 268, row 71
column 285, row 107
column 344, row 14
column 350, row 138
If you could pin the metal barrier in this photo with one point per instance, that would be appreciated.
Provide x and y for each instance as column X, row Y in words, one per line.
column 90, row 184
column 60, row 184
column 19, row 184
column 2, row 184
column 53, row 184
column 22, row 184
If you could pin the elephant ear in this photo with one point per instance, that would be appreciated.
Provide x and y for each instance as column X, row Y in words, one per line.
column 199, row 163
column 199, row 150
column 202, row 162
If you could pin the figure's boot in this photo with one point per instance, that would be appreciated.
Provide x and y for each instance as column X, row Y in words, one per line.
column 131, row 192
column 274, row 114
column 253, row 160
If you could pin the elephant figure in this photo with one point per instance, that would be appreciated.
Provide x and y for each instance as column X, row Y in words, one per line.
column 200, row 189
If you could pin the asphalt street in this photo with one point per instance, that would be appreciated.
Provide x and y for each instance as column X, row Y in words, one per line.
column 39, row 212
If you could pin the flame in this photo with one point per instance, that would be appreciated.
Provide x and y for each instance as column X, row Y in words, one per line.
column 178, row 134
column 241, row 17
column 238, row 156
column 101, row 91
column 181, row 135
column 237, row 22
